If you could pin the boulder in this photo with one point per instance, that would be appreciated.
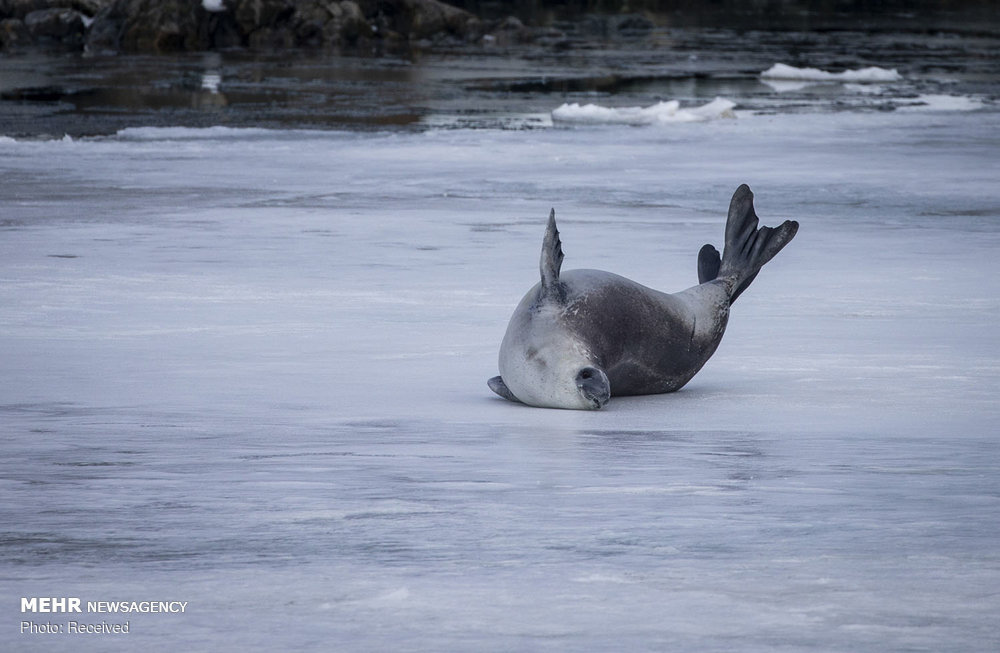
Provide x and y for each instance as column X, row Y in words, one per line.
column 13, row 34
column 254, row 15
column 310, row 23
column 506, row 32
column 21, row 8
column 615, row 25
column 64, row 26
column 327, row 23
column 51, row 29
column 348, row 23
column 176, row 25
column 421, row 19
column 151, row 26
column 48, row 24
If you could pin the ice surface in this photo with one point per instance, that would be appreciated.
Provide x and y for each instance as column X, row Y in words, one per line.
column 864, row 75
column 659, row 113
column 943, row 103
column 248, row 370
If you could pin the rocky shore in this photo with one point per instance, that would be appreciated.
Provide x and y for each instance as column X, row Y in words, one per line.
column 388, row 26
column 161, row 26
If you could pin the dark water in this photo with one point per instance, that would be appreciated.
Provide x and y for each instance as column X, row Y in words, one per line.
column 479, row 86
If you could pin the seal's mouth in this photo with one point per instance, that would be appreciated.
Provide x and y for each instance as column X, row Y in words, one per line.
column 597, row 403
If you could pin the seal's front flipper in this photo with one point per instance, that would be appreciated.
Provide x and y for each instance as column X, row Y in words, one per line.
column 748, row 247
column 498, row 386
column 552, row 257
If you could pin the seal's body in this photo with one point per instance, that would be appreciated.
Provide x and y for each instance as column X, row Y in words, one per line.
column 579, row 337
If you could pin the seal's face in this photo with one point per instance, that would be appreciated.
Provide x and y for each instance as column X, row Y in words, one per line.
column 544, row 364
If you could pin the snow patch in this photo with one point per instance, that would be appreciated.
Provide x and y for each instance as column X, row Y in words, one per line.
column 660, row 113
column 872, row 74
column 210, row 82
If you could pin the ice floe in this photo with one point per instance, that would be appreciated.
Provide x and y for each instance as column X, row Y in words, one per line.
column 659, row 113
column 863, row 75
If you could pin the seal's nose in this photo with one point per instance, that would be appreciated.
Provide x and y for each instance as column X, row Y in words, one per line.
column 593, row 384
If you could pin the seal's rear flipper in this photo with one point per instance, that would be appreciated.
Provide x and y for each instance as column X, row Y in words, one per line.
column 708, row 264
column 747, row 247
column 498, row 386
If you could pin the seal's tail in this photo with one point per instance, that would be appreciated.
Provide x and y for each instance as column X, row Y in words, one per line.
column 747, row 248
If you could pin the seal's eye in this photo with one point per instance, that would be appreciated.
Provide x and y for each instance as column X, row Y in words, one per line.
column 586, row 374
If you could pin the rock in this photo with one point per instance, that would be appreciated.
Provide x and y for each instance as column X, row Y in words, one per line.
column 631, row 24
column 421, row 19
column 385, row 24
column 48, row 24
column 51, row 28
column 348, row 22
column 21, row 8
column 89, row 7
column 254, row 15
column 183, row 25
column 13, row 34
column 346, row 25
column 272, row 38
column 310, row 25
column 150, row 26
column 611, row 25
column 224, row 31
column 104, row 34
column 506, row 32
column 60, row 25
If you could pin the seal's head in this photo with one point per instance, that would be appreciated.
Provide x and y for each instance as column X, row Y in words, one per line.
column 542, row 363
column 543, row 360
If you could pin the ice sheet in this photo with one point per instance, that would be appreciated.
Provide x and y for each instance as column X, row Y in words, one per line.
column 247, row 370
column 943, row 103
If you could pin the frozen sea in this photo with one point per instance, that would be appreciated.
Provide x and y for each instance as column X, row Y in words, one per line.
column 246, row 369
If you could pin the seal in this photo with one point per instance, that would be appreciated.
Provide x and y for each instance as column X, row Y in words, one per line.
column 581, row 336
